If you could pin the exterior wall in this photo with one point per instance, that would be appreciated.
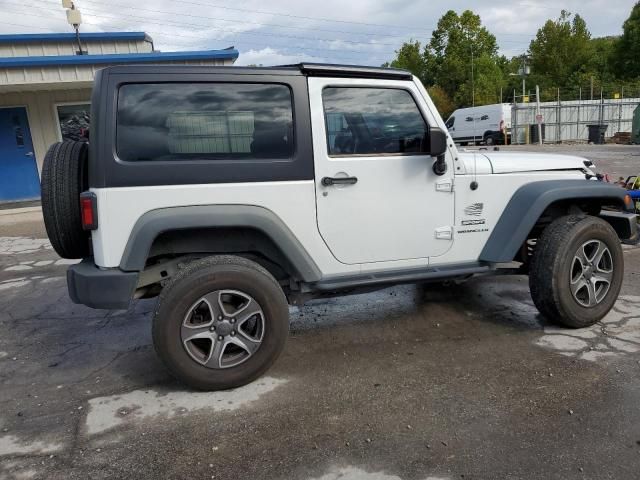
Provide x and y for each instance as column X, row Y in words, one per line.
column 39, row 49
column 41, row 111
column 41, row 103
column 18, row 79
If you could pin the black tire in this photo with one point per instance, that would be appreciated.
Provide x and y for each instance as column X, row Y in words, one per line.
column 198, row 279
column 63, row 180
column 555, row 271
column 489, row 140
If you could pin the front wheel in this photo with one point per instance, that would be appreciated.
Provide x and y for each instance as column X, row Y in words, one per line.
column 220, row 323
column 576, row 270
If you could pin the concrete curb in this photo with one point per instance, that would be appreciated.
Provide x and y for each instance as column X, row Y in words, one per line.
column 18, row 211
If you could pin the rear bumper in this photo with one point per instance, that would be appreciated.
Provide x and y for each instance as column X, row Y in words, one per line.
column 625, row 224
column 100, row 288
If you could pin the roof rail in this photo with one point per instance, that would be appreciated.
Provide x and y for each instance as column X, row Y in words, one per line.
column 351, row 71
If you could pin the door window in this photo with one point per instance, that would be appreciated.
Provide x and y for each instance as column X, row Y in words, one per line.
column 373, row 121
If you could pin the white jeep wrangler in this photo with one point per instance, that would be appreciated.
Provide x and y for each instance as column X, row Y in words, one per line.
column 232, row 192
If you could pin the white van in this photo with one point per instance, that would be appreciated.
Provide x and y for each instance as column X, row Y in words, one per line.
column 487, row 124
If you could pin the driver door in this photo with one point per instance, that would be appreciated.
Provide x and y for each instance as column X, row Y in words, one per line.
column 377, row 197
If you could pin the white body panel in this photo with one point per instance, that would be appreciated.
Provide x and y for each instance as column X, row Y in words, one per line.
column 473, row 122
column 506, row 162
column 293, row 202
column 493, row 192
column 388, row 221
column 394, row 210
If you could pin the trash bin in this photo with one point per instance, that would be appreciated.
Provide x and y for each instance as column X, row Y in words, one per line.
column 533, row 132
column 596, row 133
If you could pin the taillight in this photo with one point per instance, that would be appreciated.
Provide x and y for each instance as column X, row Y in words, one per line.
column 89, row 210
column 628, row 203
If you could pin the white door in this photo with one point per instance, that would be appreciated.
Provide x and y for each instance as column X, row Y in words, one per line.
column 378, row 199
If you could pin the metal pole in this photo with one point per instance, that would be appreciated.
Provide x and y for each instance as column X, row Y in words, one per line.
column 473, row 82
column 80, row 52
column 601, row 112
column 559, row 120
column 620, row 109
column 578, row 119
column 537, row 115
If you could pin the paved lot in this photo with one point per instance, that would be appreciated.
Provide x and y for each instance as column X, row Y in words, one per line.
column 407, row 383
column 616, row 160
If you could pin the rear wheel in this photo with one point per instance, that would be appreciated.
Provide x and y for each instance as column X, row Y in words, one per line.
column 576, row 270
column 220, row 323
column 489, row 140
column 64, row 178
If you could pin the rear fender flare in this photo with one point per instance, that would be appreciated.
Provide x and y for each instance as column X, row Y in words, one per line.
column 156, row 222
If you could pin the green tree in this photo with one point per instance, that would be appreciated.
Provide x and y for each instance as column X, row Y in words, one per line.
column 458, row 42
column 627, row 64
column 462, row 57
column 562, row 52
column 442, row 100
column 410, row 57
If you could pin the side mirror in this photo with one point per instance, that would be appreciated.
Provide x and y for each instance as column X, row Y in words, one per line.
column 437, row 142
column 438, row 148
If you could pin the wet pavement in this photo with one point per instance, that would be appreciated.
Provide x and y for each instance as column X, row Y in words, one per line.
column 408, row 383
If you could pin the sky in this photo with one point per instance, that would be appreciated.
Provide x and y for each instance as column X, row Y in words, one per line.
column 363, row 32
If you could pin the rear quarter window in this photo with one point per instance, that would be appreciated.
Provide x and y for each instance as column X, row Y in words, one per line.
column 204, row 121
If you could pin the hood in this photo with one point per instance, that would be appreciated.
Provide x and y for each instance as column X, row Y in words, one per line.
column 513, row 162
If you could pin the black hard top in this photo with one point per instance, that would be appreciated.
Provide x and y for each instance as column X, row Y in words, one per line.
column 307, row 69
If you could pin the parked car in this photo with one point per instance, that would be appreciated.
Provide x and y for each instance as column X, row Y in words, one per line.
column 489, row 124
column 231, row 193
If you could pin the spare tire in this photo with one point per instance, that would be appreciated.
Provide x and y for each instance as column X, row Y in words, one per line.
column 64, row 178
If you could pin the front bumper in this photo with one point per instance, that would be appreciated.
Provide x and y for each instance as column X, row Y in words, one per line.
column 109, row 288
column 625, row 224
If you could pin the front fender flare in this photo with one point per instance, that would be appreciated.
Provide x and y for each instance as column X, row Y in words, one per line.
column 529, row 202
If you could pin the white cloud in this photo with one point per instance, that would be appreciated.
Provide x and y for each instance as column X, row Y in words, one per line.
column 269, row 57
column 275, row 32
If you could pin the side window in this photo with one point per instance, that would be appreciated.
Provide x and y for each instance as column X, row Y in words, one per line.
column 451, row 122
column 204, row 121
column 373, row 121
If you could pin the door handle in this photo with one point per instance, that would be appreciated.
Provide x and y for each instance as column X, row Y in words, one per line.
column 329, row 181
column 29, row 154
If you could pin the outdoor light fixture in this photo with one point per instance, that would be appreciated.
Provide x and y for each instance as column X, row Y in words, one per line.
column 74, row 18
